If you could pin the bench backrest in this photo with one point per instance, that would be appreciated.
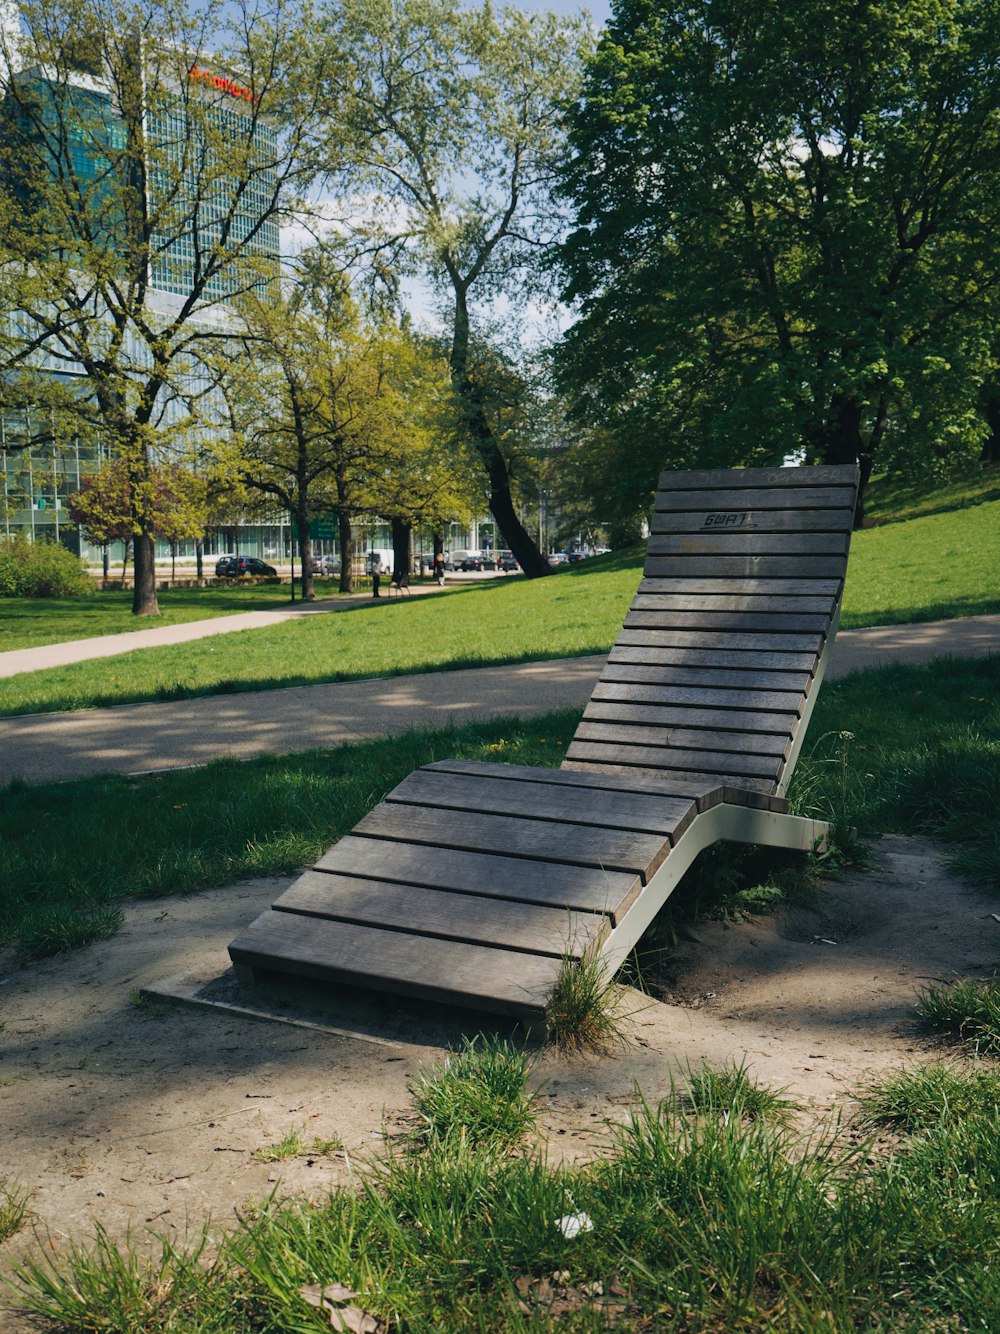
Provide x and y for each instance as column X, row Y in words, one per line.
column 714, row 674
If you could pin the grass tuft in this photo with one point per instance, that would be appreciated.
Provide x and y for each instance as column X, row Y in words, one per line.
column 585, row 1010
column 687, row 1223
column 966, row 1011
column 930, row 1095
column 120, row 1290
column 61, row 928
column 291, row 1146
column 733, row 1093
column 479, row 1092
column 13, row 1210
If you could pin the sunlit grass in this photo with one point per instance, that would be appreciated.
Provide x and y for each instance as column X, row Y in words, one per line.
column 688, row 1221
column 936, row 567
column 30, row 622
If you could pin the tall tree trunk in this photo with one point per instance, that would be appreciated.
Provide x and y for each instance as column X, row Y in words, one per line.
column 401, row 531
column 470, row 395
column 144, row 572
column 199, row 556
column 990, row 401
column 345, row 543
column 305, row 551
column 843, row 444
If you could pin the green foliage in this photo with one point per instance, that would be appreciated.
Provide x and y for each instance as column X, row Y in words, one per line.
column 926, row 1096
column 479, row 1092
column 13, row 1210
column 123, row 1290
column 291, row 1145
column 966, row 1011
column 40, row 570
column 585, row 1010
column 732, row 1092
column 692, row 1222
column 775, row 208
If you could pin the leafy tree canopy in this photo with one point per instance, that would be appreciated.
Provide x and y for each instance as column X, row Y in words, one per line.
column 786, row 234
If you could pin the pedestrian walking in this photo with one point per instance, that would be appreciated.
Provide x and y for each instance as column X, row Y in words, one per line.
column 375, row 566
column 439, row 569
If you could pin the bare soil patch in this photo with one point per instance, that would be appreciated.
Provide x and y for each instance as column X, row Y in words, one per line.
column 148, row 1116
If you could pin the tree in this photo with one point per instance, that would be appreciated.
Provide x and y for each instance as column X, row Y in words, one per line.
column 150, row 153
column 105, row 510
column 320, row 399
column 452, row 122
column 785, row 242
column 102, row 507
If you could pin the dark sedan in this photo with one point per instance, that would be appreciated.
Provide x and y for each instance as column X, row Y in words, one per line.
column 248, row 567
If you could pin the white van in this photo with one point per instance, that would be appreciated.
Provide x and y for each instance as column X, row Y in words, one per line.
column 384, row 558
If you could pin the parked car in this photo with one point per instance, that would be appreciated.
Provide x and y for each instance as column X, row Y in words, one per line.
column 558, row 558
column 222, row 565
column 575, row 557
column 248, row 567
column 331, row 564
column 472, row 561
column 506, row 562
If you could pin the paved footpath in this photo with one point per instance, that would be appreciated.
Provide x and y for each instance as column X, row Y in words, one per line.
column 145, row 738
column 108, row 646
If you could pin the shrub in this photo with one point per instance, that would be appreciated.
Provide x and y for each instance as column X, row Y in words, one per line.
column 40, row 570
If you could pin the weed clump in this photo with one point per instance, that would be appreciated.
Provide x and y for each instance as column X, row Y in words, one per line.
column 479, row 1091
column 966, row 1011
column 585, row 1012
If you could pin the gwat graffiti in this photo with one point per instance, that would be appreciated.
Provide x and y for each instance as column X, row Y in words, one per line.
column 223, row 84
column 732, row 519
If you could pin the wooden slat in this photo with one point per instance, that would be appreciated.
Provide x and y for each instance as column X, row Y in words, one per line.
column 438, row 970
column 739, row 622
column 594, row 757
column 777, row 701
column 667, row 716
column 723, row 678
column 655, row 751
column 743, row 519
column 744, row 567
column 699, row 797
column 546, row 883
column 432, row 912
column 733, row 602
column 776, row 480
column 752, row 498
column 648, row 655
column 539, row 840
column 826, row 588
column 721, row 639
column 618, row 810
column 748, row 543
column 684, row 738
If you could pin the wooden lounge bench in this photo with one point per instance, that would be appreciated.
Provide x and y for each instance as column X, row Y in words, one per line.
column 471, row 882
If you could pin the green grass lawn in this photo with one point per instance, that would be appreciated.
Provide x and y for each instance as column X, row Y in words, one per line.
column 709, row 1217
column 29, row 622
column 896, row 499
column 925, row 757
column 927, row 569
column 940, row 566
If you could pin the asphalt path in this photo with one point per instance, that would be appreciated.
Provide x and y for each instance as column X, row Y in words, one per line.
column 148, row 738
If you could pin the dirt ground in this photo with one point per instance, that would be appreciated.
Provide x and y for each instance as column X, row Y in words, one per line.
column 141, row 1116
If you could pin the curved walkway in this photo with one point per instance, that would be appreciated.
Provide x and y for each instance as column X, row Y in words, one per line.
column 107, row 646
column 144, row 738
